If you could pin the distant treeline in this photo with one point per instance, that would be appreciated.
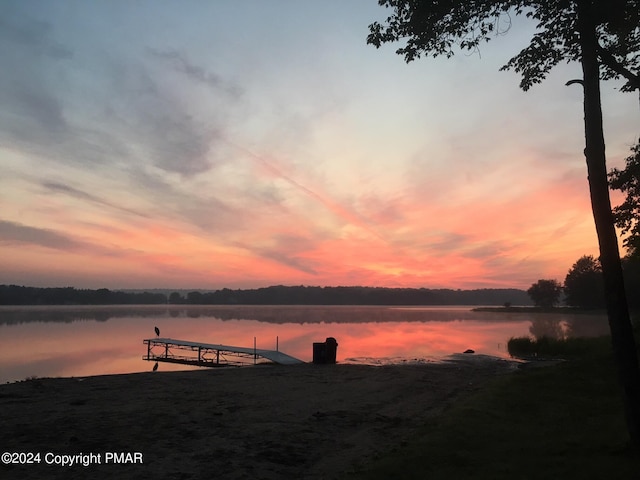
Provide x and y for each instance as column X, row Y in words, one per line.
column 276, row 295
column 16, row 295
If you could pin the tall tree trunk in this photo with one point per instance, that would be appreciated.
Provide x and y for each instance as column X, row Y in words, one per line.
column 624, row 347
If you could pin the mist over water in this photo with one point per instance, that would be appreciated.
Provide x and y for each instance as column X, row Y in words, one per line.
column 61, row 341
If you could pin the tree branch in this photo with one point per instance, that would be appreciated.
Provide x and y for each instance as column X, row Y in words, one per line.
column 571, row 82
column 609, row 60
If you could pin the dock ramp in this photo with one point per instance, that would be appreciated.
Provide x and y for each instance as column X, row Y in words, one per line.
column 210, row 355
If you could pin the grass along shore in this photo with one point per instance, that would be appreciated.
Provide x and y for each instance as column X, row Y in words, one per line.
column 563, row 421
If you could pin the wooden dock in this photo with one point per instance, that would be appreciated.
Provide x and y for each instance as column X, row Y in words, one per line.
column 210, row 355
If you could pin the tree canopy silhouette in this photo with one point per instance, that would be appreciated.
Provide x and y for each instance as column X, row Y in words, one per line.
column 545, row 293
column 440, row 27
column 627, row 214
column 583, row 286
column 604, row 37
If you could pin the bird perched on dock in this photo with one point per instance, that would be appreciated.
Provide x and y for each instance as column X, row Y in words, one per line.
column 157, row 331
column 155, row 367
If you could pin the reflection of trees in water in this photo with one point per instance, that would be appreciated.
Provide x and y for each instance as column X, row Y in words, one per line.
column 65, row 316
column 551, row 325
column 547, row 327
column 17, row 315
column 587, row 326
column 333, row 314
column 271, row 314
column 564, row 326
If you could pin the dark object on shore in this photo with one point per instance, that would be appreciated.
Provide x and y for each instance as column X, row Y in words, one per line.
column 155, row 367
column 468, row 350
column 325, row 352
column 157, row 331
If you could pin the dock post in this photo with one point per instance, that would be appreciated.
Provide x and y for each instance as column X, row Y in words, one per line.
column 277, row 350
column 255, row 355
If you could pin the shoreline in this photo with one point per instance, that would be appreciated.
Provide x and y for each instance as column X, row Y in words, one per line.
column 267, row 421
column 520, row 309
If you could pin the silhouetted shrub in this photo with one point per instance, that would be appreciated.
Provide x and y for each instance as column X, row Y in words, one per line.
column 549, row 347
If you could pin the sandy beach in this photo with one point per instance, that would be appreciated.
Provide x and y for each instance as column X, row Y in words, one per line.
column 261, row 422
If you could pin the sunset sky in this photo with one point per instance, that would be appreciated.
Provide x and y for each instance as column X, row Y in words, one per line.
column 209, row 144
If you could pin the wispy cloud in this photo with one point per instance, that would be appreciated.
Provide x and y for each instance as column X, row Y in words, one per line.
column 19, row 234
column 29, row 109
column 290, row 250
column 30, row 33
column 55, row 187
column 157, row 125
column 287, row 260
column 181, row 63
column 338, row 209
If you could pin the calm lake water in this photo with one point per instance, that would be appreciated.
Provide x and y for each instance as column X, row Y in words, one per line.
column 56, row 341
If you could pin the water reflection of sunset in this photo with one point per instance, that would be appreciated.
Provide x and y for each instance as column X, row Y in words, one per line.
column 70, row 343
